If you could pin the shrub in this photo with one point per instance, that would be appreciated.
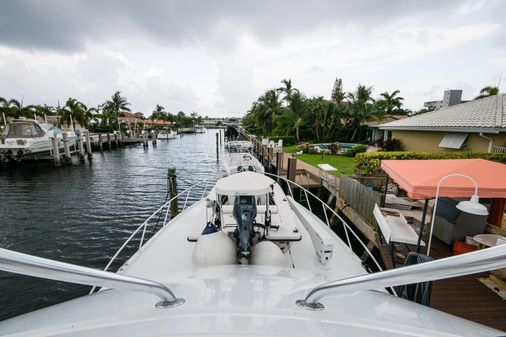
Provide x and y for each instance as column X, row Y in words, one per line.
column 311, row 150
column 370, row 162
column 325, row 151
column 393, row 144
column 360, row 148
column 287, row 140
column 349, row 153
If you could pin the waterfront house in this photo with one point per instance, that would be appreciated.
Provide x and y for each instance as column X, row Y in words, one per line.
column 476, row 126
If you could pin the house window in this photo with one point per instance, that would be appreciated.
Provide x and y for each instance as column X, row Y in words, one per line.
column 453, row 140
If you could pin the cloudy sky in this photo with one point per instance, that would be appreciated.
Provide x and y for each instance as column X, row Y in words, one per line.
column 217, row 57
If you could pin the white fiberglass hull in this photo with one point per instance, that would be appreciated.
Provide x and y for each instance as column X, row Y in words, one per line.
column 166, row 136
column 247, row 300
column 240, row 162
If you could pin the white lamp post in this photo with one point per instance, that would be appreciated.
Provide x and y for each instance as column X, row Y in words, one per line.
column 472, row 206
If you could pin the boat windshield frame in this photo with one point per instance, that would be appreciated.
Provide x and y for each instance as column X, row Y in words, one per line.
column 23, row 129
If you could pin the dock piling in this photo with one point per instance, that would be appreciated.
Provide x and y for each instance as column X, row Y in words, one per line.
column 80, row 147
column 66, row 147
column 217, row 147
column 56, row 150
column 145, row 139
column 116, row 140
column 292, row 168
column 108, row 140
column 88, row 144
column 100, row 142
column 171, row 177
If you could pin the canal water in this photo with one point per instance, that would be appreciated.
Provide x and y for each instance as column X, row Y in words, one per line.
column 83, row 213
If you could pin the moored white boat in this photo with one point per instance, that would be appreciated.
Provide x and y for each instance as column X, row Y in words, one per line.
column 238, row 158
column 200, row 129
column 27, row 138
column 246, row 259
column 166, row 134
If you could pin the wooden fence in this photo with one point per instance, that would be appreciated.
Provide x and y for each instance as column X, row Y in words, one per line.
column 361, row 198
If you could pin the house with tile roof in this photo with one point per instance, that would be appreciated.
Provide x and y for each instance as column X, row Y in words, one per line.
column 476, row 126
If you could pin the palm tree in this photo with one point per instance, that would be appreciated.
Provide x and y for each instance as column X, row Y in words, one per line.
column 74, row 111
column 488, row 91
column 293, row 118
column 390, row 103
column 267, row 109
column 287, row 89
column 114, row 106
column 360, row 107
column 16, row 109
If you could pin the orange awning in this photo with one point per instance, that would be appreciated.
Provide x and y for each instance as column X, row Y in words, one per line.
column 419, row 178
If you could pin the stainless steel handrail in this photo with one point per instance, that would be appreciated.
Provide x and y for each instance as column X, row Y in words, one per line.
column 454, row 266
column 30, row 265
column 144, row 225
column 346, row 227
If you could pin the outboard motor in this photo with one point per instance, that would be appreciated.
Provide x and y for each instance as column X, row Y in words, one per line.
column 245, row 212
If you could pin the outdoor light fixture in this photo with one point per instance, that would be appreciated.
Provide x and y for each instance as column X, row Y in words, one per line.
column 472, row 206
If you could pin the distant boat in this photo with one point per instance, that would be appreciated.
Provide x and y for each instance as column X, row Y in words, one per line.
column 27, row 138
column 239, row 158
column 200, row 129
column 166, row 134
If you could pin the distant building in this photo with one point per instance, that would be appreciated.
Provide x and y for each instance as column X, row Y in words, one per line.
column 450, row 98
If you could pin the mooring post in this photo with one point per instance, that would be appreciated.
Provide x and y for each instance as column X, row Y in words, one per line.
column 292, row 168
column 220, row 138
column 270, row 156
column 80, row 146
column 108, row 140
column 116, row 140
column 66, row 147
column 56, row 150
column 278, row 163
column 217, row 146
column 171, row 177
column 88, row 144
column 100, row 142
column 145, row 139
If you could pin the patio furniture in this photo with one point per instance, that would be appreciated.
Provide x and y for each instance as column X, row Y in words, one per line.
column 395, row 229
column 453, row 224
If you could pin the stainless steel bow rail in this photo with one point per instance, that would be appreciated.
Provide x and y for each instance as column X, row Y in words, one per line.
column 347, row 229
column 25, row 264
column 454, row 266
column 164, row 211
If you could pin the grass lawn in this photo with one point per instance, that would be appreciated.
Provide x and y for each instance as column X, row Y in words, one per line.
column 342, row 164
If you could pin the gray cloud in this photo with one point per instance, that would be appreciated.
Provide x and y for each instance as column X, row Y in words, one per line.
column 70, row 25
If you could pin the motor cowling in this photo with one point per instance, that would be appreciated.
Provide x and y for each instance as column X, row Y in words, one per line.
column 244, row 212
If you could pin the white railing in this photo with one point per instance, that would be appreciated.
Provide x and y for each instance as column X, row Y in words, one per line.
column 325, row 207
column 164, row 211
column 499, row 149
column 25, row 264
column 454, row 266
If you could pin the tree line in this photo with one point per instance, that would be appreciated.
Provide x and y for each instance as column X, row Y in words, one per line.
column 103, row 117
column 286, row 111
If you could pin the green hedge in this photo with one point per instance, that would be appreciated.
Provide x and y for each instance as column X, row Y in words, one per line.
column 287, row 140
column 370, row 162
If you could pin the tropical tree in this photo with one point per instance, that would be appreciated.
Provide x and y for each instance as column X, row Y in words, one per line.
column 388, row 104
column 116, row 104
column 359, row 108
column 293, row 118
column 14, row 108
column 488, row 91
column 74, row 111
